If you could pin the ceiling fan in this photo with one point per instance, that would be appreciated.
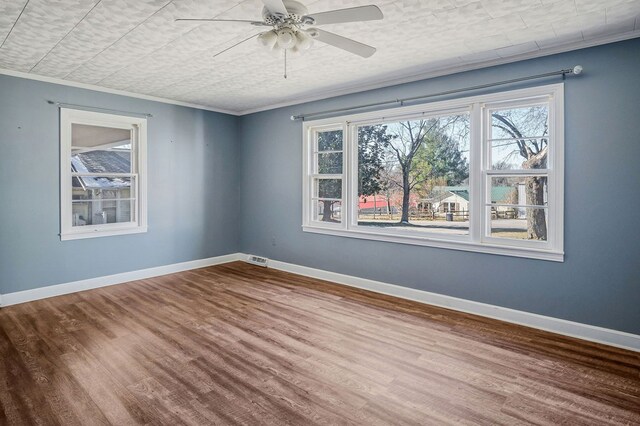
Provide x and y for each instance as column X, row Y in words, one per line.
column 293, row 29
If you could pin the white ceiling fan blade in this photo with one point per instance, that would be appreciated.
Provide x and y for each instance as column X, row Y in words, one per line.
column 276, row 7
column 236, row 44
column 256, row 23
column 353, row 14
column 343, row 43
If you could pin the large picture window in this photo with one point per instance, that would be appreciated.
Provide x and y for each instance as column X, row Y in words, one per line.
column 102, row 174
column 483, row 173
column 407, row 170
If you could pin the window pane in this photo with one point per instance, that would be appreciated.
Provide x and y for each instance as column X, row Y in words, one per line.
column 330, row 141
column 519, row 154
column 330, row 163
column 327, row 211
column 98, row 212
column 528, row 223
column 102, row 187
column 328, row 188
column 100, row 149
column 125, row 211
column 102, row 199
column 413, row 175
column 523, row 190
column 520, row 123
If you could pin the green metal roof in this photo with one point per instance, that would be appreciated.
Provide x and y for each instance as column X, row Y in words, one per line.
column 499, row 194
column 463, row 193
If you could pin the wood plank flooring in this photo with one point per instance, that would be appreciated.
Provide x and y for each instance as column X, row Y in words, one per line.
column 240, row 344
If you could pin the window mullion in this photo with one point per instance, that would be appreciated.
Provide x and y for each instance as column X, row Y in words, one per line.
column 307, row 169
column 74, row 174
column 517, row 172
column 327, row 176
column 353, row 174
column 476, row 178
column 331, row 151
column 347, row 171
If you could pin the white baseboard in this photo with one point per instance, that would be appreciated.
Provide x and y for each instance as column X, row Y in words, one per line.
column 88, row 284
column 568, row 328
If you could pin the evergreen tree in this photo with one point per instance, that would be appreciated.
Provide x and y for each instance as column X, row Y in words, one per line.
column 372, row 142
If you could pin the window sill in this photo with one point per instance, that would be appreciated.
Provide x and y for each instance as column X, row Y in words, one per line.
column 528, row 253
column 95, row 233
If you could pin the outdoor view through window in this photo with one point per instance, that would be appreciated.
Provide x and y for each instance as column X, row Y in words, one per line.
column 483, row 173
column 518, row 147
column 328, row 188
column 102, row 176
column 415, row 174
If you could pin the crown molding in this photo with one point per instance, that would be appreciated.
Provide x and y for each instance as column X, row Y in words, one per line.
column 60, row 81
column 411, row 77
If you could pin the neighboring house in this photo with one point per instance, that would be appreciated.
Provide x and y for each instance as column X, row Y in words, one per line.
column 445, row 199
column 448, row 199
column 101, row 199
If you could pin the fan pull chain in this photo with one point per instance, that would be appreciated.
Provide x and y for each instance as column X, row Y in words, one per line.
column 285, row 63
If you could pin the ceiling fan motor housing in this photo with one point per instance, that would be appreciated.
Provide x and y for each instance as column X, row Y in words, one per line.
column 297, row 11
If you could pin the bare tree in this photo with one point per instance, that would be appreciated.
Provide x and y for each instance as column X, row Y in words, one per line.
column 405, row 144
column 425, row 150
column 534, row 150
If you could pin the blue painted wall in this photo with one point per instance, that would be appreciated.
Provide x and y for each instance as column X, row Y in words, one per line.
column 192, row 189
column 206, row 167
column 599, row 282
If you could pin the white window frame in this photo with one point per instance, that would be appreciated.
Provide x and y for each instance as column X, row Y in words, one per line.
column 310, row 154
column 478, row 239
column 68, row 117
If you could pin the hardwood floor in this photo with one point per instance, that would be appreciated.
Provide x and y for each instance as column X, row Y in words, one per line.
column 240, row 344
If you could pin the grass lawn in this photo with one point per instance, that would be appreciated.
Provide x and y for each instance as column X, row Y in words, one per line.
column 502, row 228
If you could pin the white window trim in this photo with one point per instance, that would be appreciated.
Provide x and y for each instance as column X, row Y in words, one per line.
column 73, row 116
column 309, row 149
column 475, row 241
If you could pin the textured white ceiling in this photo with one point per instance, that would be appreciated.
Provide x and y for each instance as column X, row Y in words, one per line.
column 135, row 45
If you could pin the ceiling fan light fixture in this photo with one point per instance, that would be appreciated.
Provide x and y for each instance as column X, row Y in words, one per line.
column 304, row 40
column 286, row 38
column 276, row 51
column 268, row 39
column 295, row 51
